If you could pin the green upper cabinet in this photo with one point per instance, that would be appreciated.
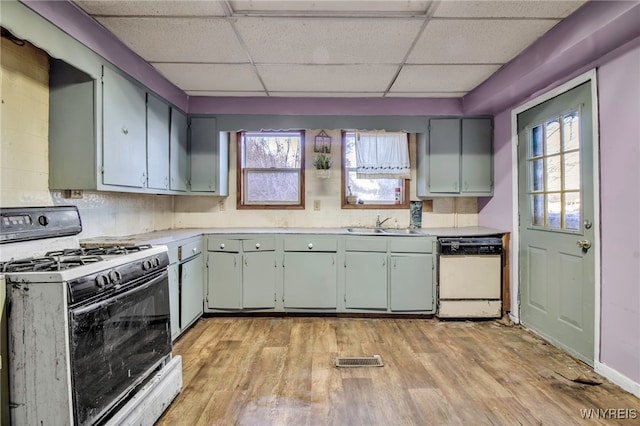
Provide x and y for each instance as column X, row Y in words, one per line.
column 124, row 145
column 179, row 155
column 208, row 157
column 157, row 143
column 455, row 158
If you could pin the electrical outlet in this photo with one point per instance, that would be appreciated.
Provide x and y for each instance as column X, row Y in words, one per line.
column 221, row 205
column 316, row 205
column 75, row 194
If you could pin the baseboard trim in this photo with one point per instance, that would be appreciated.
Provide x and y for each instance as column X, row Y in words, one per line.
column 618, row 378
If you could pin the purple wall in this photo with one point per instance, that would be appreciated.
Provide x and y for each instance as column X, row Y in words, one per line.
column 619, row 103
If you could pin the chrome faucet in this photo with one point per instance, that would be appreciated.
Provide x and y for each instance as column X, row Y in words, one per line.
column 379, row 222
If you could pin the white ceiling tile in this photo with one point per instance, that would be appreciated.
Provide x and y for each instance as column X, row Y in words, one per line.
column 178, row 39
column 327, row 41
column 326, row 78
column 211, row 77
column 224, row 93
column 476, row 41
column 152, row 8
column 328, row 94
column 441, row 78
column 358, row 6
column 507, row 9
column 392, row 94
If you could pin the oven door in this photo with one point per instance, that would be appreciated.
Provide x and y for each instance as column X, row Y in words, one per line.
column 115, row 343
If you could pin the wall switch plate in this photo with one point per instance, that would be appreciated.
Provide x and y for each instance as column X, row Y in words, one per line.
column 316, row 205
column 221, row 205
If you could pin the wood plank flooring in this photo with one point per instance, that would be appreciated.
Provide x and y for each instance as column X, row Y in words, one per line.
column 280, row 371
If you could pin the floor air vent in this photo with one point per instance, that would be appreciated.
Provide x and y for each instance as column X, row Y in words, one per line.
column 359, row 361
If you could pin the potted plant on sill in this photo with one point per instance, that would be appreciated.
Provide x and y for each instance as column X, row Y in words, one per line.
column 322, row 164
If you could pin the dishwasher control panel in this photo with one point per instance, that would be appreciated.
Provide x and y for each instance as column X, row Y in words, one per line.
column 469, row 245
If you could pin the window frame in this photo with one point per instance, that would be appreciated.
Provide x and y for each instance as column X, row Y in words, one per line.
column 343, row 193
column 240, row 175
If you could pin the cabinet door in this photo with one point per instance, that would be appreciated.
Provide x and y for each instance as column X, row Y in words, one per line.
column 259, row 280
column 174, row 299
column 224, row 281
column 366, row 280
column 191, row 303
column 310, row 280
column 444, row 155
column 178, row 156
column 204, row 155
column 124, row 145
column 412, row 282
column 157, row 143
column 477, row 163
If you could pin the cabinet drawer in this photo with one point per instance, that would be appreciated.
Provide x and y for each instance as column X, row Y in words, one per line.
column 190, row 249
column 310, row 243
column 222, row 244
column 259, row 244
column 411, row 245
column 375, row 244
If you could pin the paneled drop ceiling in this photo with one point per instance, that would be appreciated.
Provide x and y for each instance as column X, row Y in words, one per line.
column 357, row 48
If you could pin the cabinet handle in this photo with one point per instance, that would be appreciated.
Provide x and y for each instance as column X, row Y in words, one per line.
column 166, row 182
column 310, row 246
column 222, row 246
column 125, row 130
column 257, row 245
column 235, row 261
column 384, row 262
column 194, row 249
column 333, row 261
column 245, row 261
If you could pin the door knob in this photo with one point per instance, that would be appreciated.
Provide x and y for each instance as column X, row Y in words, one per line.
column 584, row 245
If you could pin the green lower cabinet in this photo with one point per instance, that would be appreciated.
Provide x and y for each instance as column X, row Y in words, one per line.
column 310, row 280
column 366, row 280
column 224, row 280
column 411, row 282
column 259, row 280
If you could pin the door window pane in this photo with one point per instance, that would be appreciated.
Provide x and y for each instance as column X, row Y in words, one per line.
column 538, row 210
column 572, row 171
column 552, row 142
column 572, row 210
column 554, row 176
column 536, row 141
column 538, row 175
column 570, row 131
column 553, row 210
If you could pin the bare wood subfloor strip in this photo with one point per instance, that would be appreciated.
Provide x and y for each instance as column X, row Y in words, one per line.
column 280, row 371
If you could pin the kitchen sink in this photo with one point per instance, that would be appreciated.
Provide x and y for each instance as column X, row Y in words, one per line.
column 384, row 231
column 402, row 231
column 378, row 231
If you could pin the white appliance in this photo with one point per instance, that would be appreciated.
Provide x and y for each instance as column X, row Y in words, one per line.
column 470, row 277
column 88, row 329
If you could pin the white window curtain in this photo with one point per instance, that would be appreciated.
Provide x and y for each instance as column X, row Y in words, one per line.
column 382, row 155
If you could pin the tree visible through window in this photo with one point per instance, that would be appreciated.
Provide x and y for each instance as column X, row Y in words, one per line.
column 369, row 193
column 270, row 169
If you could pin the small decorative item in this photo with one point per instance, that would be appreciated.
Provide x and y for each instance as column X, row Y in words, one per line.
column 351, row 199
column 322, row 143
column 415, row 218
column 322, row 164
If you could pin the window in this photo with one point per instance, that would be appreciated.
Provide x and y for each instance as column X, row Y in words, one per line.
column 270, row 169
column 554, row 167
column 368, row 193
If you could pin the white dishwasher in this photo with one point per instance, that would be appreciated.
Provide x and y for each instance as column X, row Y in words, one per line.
column 470, row 277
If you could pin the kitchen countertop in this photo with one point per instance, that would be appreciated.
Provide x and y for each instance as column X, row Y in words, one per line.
column 172, row 235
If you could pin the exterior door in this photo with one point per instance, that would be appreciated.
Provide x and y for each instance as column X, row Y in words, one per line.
column 556, row 222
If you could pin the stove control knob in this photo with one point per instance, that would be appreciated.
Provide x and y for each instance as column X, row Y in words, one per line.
column 156, row 262
column 146, row 265
column 102, row 280
column 115, row 276
column 43, row 220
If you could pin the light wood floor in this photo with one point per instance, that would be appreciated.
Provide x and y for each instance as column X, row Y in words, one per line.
column 280, row 371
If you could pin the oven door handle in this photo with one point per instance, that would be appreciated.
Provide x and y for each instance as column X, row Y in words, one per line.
column 93, row 306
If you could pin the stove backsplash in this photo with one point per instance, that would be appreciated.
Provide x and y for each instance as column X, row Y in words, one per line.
column 107, row 213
